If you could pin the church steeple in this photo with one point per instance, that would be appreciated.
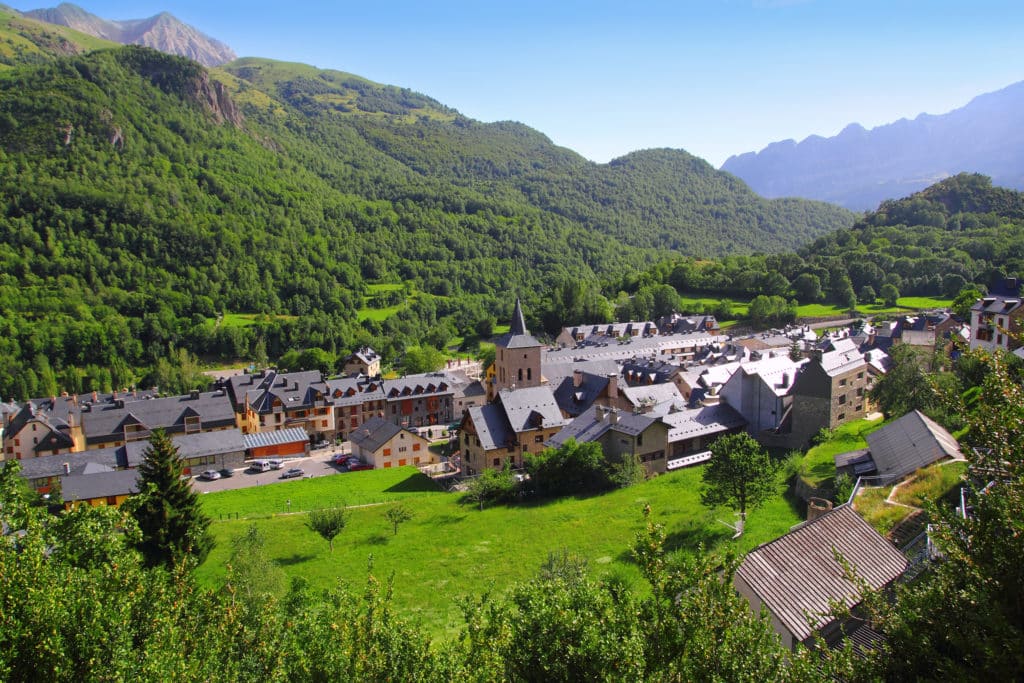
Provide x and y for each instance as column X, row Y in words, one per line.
column 518, row 325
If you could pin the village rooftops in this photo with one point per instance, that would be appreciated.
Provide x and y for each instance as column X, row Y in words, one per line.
column 594, row 423
column 669, row 345
column 693, row 422
column 199, row 410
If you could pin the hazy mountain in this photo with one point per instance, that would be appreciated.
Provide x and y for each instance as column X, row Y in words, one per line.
column 161, row 32
column 858, row 168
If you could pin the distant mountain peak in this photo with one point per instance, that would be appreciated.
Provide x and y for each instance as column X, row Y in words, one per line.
column 859, row 168
column 162, row 32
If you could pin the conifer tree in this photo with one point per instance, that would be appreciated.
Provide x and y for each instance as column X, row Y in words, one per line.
column 168, row 512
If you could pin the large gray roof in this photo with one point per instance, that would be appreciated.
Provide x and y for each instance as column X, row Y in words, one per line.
column 594, row 423
column 910, row 443
column 99, row 485
column 637, row 347
column 797, row 575
column 531, row 408
column 413, row 386
column 492, row 426
column 703, row 421
column 106, row 422
column 293, row 389
column 195, row 445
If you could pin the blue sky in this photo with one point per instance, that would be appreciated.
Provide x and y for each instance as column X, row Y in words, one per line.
column 715, row 78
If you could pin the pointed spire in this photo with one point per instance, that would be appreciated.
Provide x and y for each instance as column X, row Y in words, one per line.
column 518, row 322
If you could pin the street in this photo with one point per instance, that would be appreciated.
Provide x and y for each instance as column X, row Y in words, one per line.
column 317, row 464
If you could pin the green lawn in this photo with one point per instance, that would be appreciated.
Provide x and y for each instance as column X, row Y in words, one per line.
column 378, row 314
column 450, row 551
column 818, row 467
column 245, row 319
column 384, row 287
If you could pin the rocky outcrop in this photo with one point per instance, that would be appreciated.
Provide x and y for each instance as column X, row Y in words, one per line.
column 214, row 97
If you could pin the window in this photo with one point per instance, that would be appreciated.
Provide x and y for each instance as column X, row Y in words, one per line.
column 416, row 460
column 842, row 382
column 387, row 452
column 387, row 463
column 640, row 440
column 416, row 446
column 529, row 373
column 401, row 463
column 497, row 462
column 842, row 399
column 538, row 439
column 860, row 391
column 860, row 375
column 842, row 416
column 402, row 449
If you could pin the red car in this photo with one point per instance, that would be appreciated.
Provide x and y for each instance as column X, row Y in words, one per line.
column 356, row 466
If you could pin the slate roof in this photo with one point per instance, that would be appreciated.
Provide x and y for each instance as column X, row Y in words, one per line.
column 910, row 443
column 797, row 575
column 53, row 465
column 281, row 436
column 652, row 395
column 573, row 399
column 686, row 324
column 106, row 422
column 294, row 389
column 350, row 391
column 844, row 359
column 492, row 426
column 703, row 421
column 195, row 445
column 374, row 433
column 594, row 423
column 637, row 347
column 531, row 408
column 99, row 485
column 413, row 386
column 517, row 337
column 778, row 373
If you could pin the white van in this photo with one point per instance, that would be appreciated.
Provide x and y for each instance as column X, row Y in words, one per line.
column 259, row 466
column 276, row 463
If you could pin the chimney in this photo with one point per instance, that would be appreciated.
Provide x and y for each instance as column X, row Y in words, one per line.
column 599, row 414
column 95, row 397
column 577, row 378
column 613, row 416
column 67, row 468
column 613, row 385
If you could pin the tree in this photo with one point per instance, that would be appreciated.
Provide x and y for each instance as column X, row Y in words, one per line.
column 906, row 386
column 961, row 305
column 740, row 474
column 964, row 618
column 807, row 287
column 490, row 486
column 889, row 294
column 171, row 521
column 328, row 523
column 867, row 295
column 398, row 514
column 422, row 359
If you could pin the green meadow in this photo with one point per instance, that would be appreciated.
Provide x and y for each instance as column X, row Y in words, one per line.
column 451, row 551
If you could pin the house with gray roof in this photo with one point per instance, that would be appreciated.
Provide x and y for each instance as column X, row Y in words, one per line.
column 909, row 443
column 996, row 317
column 519, row 421
column 269, row 401
column 384, row 444
column 620, row 433
column 362, row 361
column 596, row 333
column 420, row 400
column 830, row 390
column 98, row 488
column 797, row 576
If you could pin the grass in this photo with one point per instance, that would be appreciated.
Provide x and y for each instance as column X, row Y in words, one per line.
column 246, row 319
column 930, row 483
column 384, row 287
column 378, row 314
column 450, row 550
column 819, row 467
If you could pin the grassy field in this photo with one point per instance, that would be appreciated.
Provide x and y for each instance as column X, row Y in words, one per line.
column 450, row 551
column 245, row 319
column 819, row 468
column 884, row 509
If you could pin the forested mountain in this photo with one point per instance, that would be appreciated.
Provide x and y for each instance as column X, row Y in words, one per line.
column 859, row 168
column 161, row 32
column 143, row 196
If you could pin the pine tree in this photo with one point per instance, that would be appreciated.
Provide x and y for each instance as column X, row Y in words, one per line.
column 167, row 510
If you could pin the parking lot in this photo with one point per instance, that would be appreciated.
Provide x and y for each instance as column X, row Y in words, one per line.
column 317, row 464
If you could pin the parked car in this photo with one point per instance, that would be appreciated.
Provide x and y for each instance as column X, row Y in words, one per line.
column 292, row 472
column 340, row 459
column 259, row 466
column 357, row 465
column 276, row 463
column 210, row 475
column 227, row 472
column 319, row 445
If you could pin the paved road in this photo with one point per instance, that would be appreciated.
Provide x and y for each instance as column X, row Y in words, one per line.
column 317, row 464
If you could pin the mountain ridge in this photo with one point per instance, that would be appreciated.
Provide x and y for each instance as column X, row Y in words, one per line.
column 161, row 31
column 858, row 168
